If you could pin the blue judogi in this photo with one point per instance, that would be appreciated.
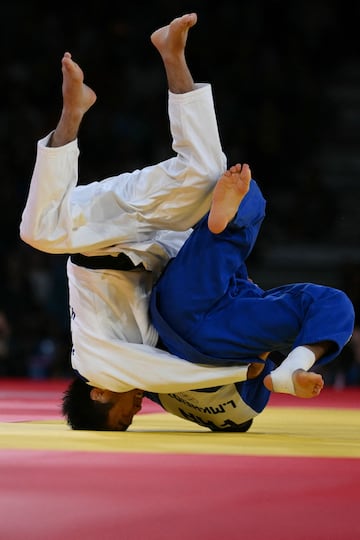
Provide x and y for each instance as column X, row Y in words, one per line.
column 206, row 310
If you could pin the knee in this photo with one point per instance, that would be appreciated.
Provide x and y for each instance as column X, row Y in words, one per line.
column 346, row 303
column 344, row 308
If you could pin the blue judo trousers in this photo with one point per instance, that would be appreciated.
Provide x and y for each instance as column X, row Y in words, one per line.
column 207, row 311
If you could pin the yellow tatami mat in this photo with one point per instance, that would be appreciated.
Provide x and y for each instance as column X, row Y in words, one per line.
column 278, row 431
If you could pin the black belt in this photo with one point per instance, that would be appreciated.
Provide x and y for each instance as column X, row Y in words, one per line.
column 105, row 262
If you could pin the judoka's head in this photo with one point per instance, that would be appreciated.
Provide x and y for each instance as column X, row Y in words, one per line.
column 87, row 407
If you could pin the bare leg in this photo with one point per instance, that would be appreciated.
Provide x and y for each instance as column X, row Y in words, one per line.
column 170, row 41
column 77, row 100
column 228, row 194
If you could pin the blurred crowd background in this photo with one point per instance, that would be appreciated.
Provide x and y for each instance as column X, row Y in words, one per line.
column 286, row 81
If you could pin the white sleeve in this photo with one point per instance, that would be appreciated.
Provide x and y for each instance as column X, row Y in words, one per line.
column 109, row 324
column 124, row 366
column 60, row 217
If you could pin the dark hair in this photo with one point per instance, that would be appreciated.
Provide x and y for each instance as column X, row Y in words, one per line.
column 82, row 412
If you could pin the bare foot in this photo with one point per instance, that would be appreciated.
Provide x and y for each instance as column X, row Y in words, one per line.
column 306, row 383
column 229, row 191
column 77, row 96
column 77, row 100
column 170, row 40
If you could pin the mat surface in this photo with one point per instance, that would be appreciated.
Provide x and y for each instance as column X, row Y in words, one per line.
column 295, row 474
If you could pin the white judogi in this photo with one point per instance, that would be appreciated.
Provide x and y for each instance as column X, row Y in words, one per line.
column 112, row 336
column 222, row 409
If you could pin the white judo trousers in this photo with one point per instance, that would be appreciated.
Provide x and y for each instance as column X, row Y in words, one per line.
column 145, row 214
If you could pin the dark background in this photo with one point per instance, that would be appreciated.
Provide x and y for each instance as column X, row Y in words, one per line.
column 286, row 81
